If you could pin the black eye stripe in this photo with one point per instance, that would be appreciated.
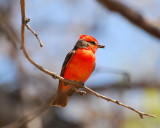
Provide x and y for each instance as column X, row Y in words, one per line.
column 92, row 42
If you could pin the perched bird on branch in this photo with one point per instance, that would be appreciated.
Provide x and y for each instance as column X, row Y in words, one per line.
column 78, row 66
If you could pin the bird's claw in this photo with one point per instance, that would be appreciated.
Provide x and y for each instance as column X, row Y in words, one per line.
column 82, row 93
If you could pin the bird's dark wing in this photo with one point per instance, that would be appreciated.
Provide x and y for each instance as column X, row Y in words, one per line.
column 65, row 64
column 66, row 61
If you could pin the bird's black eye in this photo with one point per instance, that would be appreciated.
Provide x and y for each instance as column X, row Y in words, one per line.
column 92, row 42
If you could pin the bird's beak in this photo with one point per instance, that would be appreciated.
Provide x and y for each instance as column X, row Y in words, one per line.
column 100, row 46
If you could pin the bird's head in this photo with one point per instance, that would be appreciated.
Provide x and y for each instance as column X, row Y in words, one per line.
column 88, row 42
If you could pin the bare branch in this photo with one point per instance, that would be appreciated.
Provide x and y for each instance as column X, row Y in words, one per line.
column 55, row 76
column 132, row 16
column 36, row 35
column 141, row 114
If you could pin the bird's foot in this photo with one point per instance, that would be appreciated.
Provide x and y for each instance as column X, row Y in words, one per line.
column 82, row 93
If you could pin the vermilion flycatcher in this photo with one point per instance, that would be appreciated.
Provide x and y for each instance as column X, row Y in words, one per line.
column 78, row 66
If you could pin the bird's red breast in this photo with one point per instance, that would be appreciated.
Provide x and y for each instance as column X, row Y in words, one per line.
column 80, row 66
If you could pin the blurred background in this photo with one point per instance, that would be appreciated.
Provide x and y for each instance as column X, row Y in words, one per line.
column 132, row 47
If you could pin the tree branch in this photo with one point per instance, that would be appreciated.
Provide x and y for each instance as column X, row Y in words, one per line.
column 36, row 35
column 141, row 114
column 132, row 16
column 55, row 76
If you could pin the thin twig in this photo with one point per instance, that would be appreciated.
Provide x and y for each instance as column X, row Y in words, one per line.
column 36, row 35
column 141, row 114
column 55, row 76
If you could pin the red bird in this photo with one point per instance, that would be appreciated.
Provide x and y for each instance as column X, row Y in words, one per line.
column 78, row 66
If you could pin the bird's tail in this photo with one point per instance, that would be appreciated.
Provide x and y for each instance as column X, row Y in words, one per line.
column 60, row 99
